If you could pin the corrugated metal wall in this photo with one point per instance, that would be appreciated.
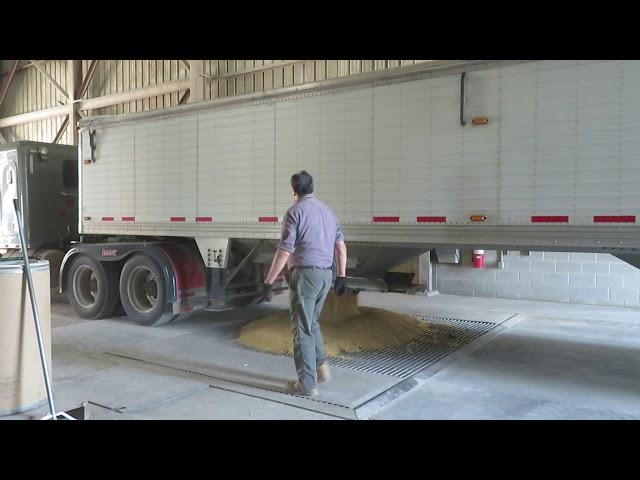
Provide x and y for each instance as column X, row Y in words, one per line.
column 116, row 76
column 31, row 91
column 277, row 75
column 223, row 78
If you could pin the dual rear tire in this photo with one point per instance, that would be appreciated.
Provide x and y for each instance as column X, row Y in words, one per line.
column 103, row 289
column 93, row 287
column 143, row 292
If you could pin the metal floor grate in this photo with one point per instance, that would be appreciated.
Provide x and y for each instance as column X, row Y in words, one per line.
column 94, row 411
column 445, row 336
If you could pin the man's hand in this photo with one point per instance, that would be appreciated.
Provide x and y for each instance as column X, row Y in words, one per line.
column 278, row 264
column 267, row 291
column 340, row 286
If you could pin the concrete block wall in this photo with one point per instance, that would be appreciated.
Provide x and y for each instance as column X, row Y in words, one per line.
column 588, row 278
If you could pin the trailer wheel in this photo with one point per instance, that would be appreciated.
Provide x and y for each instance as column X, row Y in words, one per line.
column 143, row 292
column 92, row 287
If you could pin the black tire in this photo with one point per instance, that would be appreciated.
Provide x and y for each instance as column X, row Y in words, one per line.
column 92, row 287
column 114, row 269
column 120, row 311
column 143, row 292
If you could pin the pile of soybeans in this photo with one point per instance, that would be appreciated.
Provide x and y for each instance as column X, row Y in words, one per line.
column 345, row 326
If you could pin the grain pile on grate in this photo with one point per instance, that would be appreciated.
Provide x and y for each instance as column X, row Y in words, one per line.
column 346, row 328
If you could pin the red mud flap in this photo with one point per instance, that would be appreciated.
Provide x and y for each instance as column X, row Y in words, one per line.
column 190, row 279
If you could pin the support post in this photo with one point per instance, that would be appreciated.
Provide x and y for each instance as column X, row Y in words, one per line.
column 74, row 82
column 196, row 81
column 426, row 274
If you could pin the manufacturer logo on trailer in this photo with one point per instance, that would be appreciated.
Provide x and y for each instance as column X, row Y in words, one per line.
column 109, row 252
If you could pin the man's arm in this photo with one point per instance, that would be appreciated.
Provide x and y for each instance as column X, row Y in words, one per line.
column 285, row 249
column 279, row 262
column 341, row 258
column 340, row 285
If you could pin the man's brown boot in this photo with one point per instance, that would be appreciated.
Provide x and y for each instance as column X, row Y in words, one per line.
column 296, row 388
column 323, row 373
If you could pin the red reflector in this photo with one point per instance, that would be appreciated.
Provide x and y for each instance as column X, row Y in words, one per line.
column 552, row 219
column 204, row 219
column 128, row 219
column 178, row 219
column 386, row 219
column 107, row 219
column 614, row 219
column 431, row 219
column 268, row 219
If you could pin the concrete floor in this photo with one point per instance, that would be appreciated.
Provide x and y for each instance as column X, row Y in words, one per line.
column 548, row 361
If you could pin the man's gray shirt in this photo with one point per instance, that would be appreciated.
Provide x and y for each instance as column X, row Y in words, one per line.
column 310, row 231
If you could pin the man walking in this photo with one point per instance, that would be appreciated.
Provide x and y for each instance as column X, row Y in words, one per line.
column 311, row 235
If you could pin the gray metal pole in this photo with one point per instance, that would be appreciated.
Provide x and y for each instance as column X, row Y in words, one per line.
column 34, row 308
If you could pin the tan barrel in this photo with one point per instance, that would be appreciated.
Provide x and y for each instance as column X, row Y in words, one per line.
column 22, row 385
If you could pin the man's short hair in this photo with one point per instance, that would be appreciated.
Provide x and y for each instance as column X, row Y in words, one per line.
column 302, row 183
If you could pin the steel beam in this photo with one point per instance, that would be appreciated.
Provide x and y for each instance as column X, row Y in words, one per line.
column 133, row 95
column 248, row 71
column 29, row 117
column 7, row 84
column 185, row 97
column 94, row 103
column 87, row 79
column 186, row 64
column 2, row 139
column 50, row 78
column 24, row 66
column 63, row 127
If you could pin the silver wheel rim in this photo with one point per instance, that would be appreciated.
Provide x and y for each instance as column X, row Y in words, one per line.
column 85, row 286
column 142, row 289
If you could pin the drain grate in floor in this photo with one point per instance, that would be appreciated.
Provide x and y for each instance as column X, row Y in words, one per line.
column 445, row 336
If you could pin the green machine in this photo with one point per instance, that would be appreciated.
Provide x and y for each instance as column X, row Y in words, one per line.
column 44, row 179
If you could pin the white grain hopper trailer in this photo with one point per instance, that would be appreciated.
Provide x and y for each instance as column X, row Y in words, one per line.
column 181, row 208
